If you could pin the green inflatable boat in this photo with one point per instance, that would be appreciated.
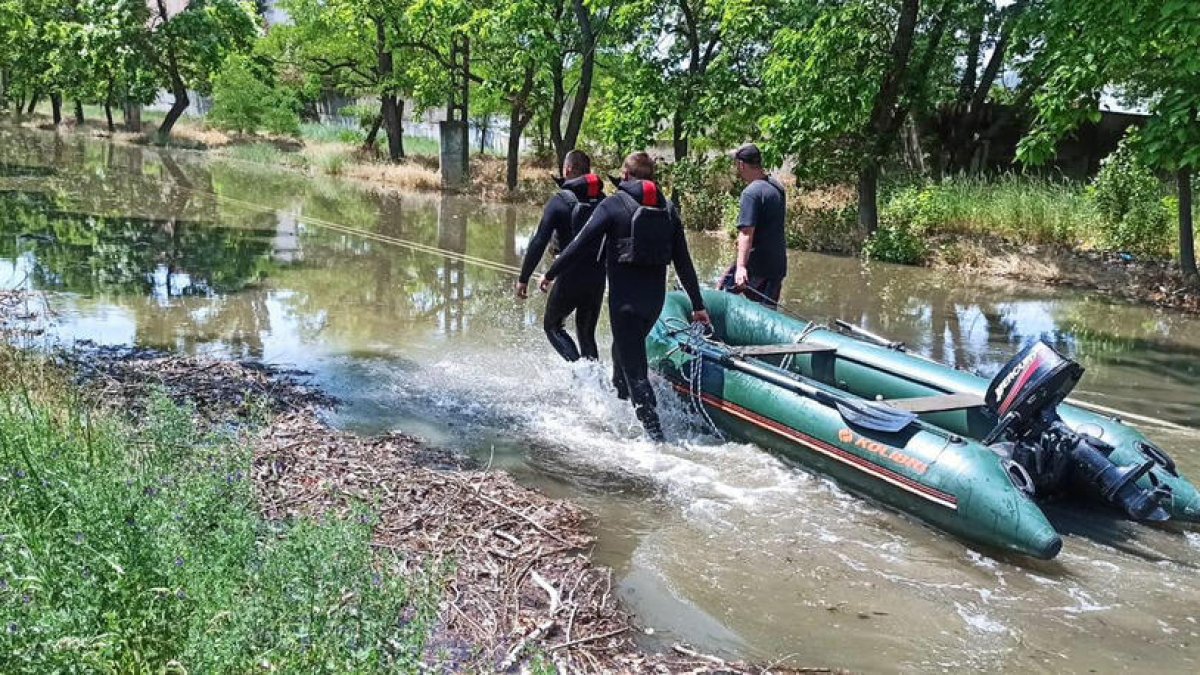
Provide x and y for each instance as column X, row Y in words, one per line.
column 969, row 456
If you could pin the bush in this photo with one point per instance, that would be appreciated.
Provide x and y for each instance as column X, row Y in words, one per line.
column 897, row 243
column 828, row 228
column 1133, row 215
column 243, row 103
column 706, row 188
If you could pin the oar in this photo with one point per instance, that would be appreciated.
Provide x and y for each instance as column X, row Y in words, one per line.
column 854, row 410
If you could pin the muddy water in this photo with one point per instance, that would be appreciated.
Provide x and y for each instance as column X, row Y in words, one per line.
column 719, row 545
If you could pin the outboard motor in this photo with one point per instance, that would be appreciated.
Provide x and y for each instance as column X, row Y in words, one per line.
column 1025, row 395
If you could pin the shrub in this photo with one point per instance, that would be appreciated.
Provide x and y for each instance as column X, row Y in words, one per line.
column 243, row 103
column 897, row 243
column 706, row 187
column 828, row 228
column 1133, row 215
column 904, row 223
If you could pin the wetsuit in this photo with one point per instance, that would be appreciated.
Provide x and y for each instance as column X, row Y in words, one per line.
column 581, row 290
column 635, row 292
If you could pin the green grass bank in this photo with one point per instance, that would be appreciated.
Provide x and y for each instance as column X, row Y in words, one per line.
column 138, row 546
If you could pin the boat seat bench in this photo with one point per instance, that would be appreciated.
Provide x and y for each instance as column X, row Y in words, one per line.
column 777, row 350
column 938, row 403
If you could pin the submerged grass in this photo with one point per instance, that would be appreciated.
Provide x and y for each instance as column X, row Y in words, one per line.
column 139, row 547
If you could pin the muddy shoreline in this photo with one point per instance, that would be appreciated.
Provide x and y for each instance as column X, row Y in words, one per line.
column 519, row 586
column 1147, row 283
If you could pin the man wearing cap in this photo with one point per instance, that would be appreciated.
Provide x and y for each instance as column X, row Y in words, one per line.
column 761, row 244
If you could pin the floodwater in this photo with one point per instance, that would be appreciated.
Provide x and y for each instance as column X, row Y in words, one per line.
column 722, row 546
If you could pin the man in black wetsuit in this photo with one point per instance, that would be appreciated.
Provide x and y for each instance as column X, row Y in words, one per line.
column 642, row 233
column 582, row 289
column 761, row 261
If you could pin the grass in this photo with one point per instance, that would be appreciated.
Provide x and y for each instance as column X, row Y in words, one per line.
column 265, row 153
column 139, row 548
column 1012, row 207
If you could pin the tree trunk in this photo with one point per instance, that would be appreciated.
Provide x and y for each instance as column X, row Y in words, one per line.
column 679, row 138
column 393, row 126
column 1187, row 241
column 868, row 203
column 33, row 102
column 56, row 108
column 587, row 67
column 516, row 127
column 518, row 119
column 108, row 116
column 886, row 114
column 373, row 133
column 4, row 89
column 131, row 113
column 558, row 104
column 179, row 91
column 79, row 113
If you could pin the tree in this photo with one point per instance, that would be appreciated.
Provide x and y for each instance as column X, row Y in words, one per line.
column 185, row 48
column 695, row 63
column 999, row 38
column 1145, row 50
column 243, row 101
column 842, row 79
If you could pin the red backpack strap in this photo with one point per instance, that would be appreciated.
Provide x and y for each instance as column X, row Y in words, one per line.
column 593, row 186
column 649, row 193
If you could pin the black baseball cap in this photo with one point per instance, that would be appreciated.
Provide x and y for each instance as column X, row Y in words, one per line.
column 749, row 153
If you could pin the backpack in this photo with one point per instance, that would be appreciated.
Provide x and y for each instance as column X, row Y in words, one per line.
column 651, row 239
column 581, row 212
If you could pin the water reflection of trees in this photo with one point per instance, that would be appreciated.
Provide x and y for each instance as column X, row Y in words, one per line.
column 138, row 226
column 355, row 288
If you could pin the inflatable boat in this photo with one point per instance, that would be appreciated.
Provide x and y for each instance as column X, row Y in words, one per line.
column 967, row 455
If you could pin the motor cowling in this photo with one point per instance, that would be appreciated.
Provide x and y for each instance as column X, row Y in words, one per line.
column 1026, row 391
column 1024, row 396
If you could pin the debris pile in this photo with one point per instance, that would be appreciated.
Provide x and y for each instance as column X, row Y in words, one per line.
column 220, row 390
column 521, row 583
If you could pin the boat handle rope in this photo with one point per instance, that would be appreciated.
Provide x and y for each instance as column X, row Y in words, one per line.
column 692, row 333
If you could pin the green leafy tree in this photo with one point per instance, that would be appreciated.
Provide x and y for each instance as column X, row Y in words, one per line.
column 1145, row 49
column 356, row 47
column 842, row 78
column 243, row 101
column 187, row 47
column 691, row 65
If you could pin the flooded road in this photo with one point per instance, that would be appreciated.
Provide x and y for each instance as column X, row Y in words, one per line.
column 402, row 307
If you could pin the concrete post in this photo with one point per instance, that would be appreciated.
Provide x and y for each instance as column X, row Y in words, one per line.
column 454, row 170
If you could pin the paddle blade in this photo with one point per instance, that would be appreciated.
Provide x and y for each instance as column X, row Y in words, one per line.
column 875, row 417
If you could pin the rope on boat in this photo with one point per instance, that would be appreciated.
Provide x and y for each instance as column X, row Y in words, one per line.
column 693, row 333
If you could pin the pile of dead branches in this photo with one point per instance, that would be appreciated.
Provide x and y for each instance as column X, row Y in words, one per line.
column 521, row 581
column 125, row 377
